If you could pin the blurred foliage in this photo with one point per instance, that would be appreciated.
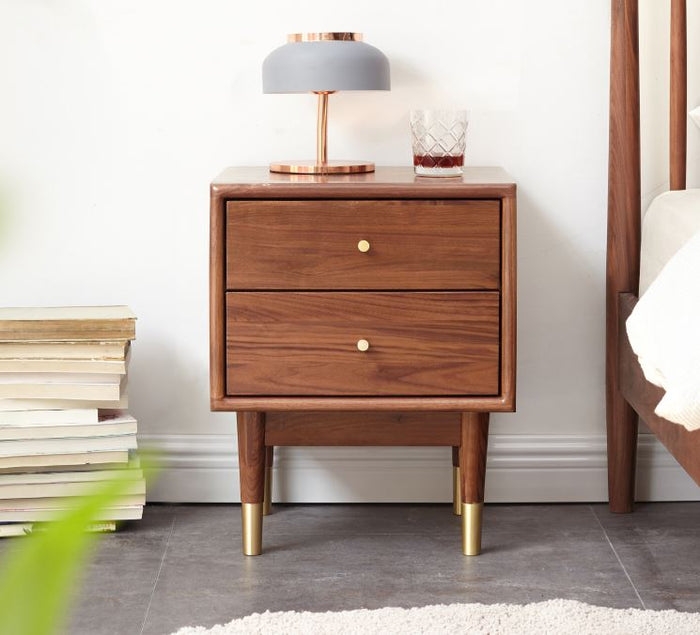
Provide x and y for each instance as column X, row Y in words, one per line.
column 40, row 573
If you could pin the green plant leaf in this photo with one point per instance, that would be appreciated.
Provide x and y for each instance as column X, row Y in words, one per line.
column 41, row 572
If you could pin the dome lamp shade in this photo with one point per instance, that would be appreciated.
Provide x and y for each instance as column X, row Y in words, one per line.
column 324, row 63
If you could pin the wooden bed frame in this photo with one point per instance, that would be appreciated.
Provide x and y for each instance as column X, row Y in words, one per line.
column 628, row 394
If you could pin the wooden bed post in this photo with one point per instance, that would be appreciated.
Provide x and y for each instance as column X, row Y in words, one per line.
column 679, row 95
column 624, row 224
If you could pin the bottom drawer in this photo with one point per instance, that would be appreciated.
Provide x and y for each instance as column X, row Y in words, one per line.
column 306, row 344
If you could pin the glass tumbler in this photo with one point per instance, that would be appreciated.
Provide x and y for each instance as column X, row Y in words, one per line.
column 438, row 139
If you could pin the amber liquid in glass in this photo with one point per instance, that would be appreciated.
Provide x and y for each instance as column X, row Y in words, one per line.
column 431, row 161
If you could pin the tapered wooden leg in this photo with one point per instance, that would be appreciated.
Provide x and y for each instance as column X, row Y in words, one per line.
column 251, row 461
column 456, row 483
column 622, row 453
column 472, row 460
column 621, row 419
column 269, row 460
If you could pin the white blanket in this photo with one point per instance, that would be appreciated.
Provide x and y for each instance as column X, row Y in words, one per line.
column 671, row 221
column 664, row 331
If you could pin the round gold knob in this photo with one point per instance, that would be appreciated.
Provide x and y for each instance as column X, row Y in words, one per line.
column 363, row 246
column 362, row 345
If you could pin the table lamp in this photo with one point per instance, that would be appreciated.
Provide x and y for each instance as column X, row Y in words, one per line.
column 324, row 63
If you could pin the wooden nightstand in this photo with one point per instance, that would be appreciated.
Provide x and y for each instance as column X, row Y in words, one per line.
column 374, row 309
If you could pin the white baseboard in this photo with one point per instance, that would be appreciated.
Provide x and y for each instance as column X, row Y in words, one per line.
column 521, row 468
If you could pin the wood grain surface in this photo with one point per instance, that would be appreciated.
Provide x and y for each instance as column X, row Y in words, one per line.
column 472, row 455
column 509, row 301
column 217, row 298
column 363, row 428
column 275, row 403
column 301, row 245
column 251, row 455
column 622, row 269
column 385, row 182
column 257, row 184
column 305, row 343
column 678, row 139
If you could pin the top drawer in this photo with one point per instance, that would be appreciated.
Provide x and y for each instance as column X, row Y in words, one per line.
column 409, row 244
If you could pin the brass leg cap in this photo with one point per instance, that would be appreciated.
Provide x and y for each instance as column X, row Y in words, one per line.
column 471, row 528
column 267, row 500
column 251, row 514
column 456, row 491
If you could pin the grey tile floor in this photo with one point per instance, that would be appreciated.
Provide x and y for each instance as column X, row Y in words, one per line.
column 182, row 564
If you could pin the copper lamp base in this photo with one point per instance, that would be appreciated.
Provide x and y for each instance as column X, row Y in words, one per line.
column 330, row 167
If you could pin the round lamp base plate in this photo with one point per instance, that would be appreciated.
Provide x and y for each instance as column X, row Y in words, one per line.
column 332, row 167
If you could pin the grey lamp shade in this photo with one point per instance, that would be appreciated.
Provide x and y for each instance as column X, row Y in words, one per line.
column 325, row 65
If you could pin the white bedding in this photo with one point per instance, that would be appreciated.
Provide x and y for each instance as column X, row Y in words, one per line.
column 670, row 221
column 664, row 328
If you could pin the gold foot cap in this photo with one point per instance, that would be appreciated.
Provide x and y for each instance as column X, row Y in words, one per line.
column 456, row 491
column 471, row 528
column 251, row 514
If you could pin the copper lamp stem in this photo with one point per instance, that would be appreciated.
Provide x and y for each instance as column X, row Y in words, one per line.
column 322, row 129
column 321, row 165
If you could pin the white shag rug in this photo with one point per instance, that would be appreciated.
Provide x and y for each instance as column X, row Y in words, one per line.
column 565, row 617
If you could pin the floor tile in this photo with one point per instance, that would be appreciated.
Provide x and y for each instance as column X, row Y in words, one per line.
column 182, row 564
column 658, row 545
column 342, row 557
column 119, row 580
column 326, row 519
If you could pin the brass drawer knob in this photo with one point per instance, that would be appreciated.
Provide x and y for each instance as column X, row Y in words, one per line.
column 362, row 345
column 363, row 246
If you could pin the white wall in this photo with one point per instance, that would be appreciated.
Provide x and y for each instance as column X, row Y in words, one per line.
column 114, row 117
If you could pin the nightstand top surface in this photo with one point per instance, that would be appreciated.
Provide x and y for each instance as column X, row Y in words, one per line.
column 384, row 182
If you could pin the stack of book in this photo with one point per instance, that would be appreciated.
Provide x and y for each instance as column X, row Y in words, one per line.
column 64, row 428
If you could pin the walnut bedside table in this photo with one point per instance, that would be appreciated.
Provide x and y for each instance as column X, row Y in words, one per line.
column 374, row 309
